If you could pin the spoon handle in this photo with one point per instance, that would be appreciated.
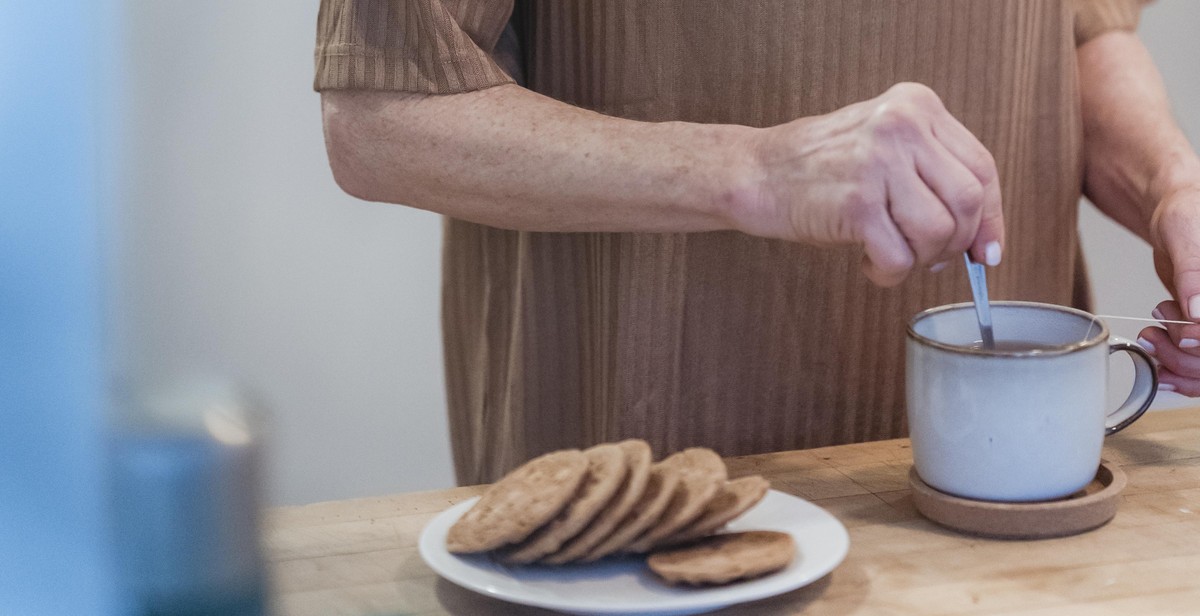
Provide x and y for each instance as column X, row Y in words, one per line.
column 979, row 292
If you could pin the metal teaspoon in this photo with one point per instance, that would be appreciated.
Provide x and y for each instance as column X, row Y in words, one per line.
column 979, row 292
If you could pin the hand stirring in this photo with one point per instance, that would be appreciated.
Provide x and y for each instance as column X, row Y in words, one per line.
column 979, row 292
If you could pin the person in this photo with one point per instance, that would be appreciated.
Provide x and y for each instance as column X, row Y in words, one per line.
column 656, row 212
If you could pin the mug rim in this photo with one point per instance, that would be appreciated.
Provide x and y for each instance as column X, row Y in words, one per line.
column 1056, row 351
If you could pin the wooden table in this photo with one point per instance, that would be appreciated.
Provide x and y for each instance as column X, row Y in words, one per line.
column 360, row 556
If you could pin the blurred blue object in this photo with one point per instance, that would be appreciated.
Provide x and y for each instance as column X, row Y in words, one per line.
column 186, row 460
column 55, row 551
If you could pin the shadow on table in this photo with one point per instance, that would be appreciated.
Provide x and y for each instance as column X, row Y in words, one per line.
column 1131, row 449
column 459, row 601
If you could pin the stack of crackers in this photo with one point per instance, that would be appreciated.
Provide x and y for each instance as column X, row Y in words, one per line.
column 575, row 506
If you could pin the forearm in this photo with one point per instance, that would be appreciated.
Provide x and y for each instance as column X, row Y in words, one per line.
column 896, row 175
column 511, row 158
column 1135, row 156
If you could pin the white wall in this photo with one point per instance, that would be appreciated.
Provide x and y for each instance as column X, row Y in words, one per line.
column 242, row 258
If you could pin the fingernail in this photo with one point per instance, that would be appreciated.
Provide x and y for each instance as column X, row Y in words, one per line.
column 1156, row 313
column 937, row 267
column 1166, row 387
column 1193, row 308
column 1189, row 343
column 1146, row 345
column 992, row 255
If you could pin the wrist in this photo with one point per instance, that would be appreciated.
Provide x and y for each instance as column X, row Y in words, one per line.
column 1178, row 171
column 742, row 197
column 1174, row 191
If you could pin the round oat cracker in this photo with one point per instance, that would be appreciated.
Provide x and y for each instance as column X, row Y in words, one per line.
column 660, row 489
column 702, row 473
column 638, row 459
column 520, row 503
column 735, row 498
column 606, row 473
column 721, row 559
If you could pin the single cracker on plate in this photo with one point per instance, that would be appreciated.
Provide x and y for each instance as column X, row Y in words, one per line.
column 735, row 498
column 702, row 473
column 721, row 559
column 638, row 459
column 606, row 472
column 660, row 490
column 520, row 503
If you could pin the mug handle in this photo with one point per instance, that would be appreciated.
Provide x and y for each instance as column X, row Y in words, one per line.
column 1145, row 385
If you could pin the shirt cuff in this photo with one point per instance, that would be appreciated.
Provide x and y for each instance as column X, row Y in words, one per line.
column 425, row 46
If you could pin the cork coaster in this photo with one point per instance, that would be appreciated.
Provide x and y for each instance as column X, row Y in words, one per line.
column 1085, row 510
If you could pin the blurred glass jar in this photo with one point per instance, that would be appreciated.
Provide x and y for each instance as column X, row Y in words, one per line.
column 187, row 500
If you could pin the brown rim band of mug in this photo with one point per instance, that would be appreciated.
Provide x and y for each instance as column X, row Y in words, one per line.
column 1086, row 343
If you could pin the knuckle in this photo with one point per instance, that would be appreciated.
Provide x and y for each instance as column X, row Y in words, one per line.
column 857, row 203
column 918, row 93
column 894, row 119
column 882, row 278
column 867, row 160
column 981, row 162
column 967, row 198
column 1173, row 367
column 986, row 161
column 859, row 207
column 1180, row 362
column 895, row 261
column 940, row 228
column 929, row 234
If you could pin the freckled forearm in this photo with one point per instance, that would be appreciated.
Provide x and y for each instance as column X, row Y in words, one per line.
column 1134, row 152
column 511, row 158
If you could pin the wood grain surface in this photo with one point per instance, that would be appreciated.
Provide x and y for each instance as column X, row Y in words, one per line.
column 359, row 557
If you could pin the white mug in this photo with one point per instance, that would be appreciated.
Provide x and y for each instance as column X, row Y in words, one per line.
column 1011, row 425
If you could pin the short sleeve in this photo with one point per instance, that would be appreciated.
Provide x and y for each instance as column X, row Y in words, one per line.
column 427, row 46
column 1095, row 17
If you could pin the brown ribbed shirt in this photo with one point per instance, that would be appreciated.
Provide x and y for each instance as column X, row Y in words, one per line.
column 719, row 339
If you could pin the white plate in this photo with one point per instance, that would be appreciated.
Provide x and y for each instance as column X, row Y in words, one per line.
column 626, row 586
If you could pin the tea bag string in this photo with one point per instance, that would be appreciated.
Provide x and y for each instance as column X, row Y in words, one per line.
column 1095, row 318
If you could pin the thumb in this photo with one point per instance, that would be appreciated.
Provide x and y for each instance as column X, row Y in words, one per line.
column 887, row 257
column 989, row 241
